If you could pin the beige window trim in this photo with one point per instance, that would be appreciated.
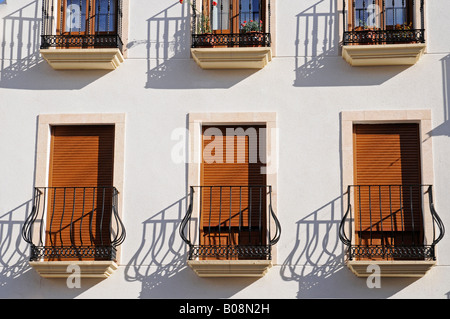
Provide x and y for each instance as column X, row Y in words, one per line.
column 423, row 118
column 45, row 122
column 196, row 120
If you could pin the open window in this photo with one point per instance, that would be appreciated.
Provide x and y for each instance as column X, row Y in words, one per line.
column 378, row 32
column 231, row 33
column 89, row 31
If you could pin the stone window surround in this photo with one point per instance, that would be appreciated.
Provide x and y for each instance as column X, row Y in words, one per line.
column 196, row 120
column 45, row 122
column 423, row 118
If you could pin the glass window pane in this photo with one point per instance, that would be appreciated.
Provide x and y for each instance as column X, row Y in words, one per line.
column 367, row 14
column 250, row 10
column 396, row 12
column 105, row 16
column 75, row 16
column 220, row 14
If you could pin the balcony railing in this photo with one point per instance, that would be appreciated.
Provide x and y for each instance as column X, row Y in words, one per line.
column 234, row 222
column 82, row 24
column 224, row 25
column 383, row 22
column 391, row 222
column 69, row 223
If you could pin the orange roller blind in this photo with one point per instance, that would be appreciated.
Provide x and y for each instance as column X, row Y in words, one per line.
column 81, row 164
column 233, row 156
column 387, row 154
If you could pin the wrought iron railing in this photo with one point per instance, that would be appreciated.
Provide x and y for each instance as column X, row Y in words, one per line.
column 230, row 222
column 391, row 222
column 208, row 28
column 74, row 223
column 81, row 24
column 383, row 22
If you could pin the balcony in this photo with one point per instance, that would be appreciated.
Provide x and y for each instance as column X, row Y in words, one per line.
column 74, row 226
column 230, row 230
column 383, row 32
column 81, row 35
column 393, row 226
column 231, row 34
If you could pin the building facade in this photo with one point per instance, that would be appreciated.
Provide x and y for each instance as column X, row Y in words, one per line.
column 269, row 149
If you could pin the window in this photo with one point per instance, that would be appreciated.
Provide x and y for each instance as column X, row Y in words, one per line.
column 231, row 225
column 77, row 211
column 102, row 12
column 240, row 29
column 79, row 198
column 390, row 218
column 233, row 191
column 373, row 30
column 80, row 25
column 381, row 14
column 387, row 189
column 232, row 16
column 234, row 23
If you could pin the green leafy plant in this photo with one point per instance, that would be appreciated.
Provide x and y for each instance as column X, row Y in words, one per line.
column 249, row 26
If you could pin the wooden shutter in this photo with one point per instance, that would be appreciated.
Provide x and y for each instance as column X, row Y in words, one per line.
column 80, row 185
column 233, row 215
column 387, row 157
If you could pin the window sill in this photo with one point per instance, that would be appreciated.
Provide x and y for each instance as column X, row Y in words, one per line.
column 82, row 59
column 230, row 268
column 410, row 268
column 384, row 54
column 87, row 269
column 232, row 58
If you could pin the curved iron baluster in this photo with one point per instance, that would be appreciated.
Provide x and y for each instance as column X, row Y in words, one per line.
column 119, row 238
column 436, row 218
column 186, row 219
column 29, row 221
column 277, row 234
column 342, row 235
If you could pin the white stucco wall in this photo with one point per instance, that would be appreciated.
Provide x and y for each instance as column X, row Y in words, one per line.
column 307, row 84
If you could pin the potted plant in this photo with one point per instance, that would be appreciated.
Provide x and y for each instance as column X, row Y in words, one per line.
column 252, row 33
column 402, row 33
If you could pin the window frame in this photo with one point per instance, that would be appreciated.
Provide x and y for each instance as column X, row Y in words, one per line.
column 422, row 117
column 89, row 26
column 196, row 122
column 43, row 148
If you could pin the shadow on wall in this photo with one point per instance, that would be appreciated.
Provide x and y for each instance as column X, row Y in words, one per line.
column 444, row 128
column 318, row 60
column 168, row 49
column 22, row 67
column 14, row 252
column 17, row 278
column 160, row 262
column 161, row 254
column 317, row 261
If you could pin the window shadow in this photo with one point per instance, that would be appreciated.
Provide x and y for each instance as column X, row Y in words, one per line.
column 161, row 254
column 444, row 128
column 318, row 60
column 317, row 260
column 159, row 263
column 21, row 65
column 169, row 61
column 14, row 252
